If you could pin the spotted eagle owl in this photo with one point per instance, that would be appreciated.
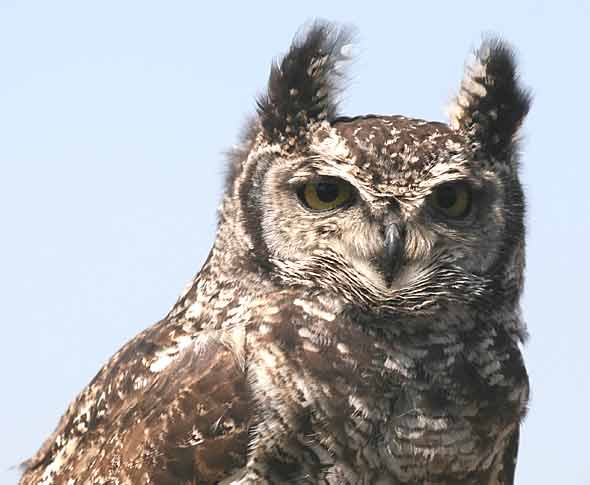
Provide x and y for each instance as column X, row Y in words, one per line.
column 357, row 320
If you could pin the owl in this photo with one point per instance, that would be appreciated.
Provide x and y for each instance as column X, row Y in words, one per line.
column 357, row 320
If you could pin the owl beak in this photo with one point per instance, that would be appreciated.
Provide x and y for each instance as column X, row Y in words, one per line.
column 393, row 245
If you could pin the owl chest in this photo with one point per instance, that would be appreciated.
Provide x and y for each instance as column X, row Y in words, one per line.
column 382, row 411
column 383, row 424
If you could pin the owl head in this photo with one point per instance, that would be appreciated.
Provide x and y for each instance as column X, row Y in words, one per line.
column 389, row 212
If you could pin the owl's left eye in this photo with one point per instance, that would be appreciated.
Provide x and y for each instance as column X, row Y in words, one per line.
column 454, row 200
column 325, row 194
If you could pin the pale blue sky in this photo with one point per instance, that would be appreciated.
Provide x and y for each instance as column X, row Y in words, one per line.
column 113, row 119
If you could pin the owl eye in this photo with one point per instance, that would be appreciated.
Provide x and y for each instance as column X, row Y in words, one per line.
column 453, row 199
column 326, row 194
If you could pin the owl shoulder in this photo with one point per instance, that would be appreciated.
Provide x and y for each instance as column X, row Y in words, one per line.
column 172, row 387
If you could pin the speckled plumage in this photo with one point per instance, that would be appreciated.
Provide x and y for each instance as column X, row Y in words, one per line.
column 303, row 352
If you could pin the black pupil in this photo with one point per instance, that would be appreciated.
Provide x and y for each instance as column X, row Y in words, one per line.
column 327, row 192
column 446, row 197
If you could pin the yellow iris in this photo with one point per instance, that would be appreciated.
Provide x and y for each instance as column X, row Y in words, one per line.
column 326, row 195
column 452, row 199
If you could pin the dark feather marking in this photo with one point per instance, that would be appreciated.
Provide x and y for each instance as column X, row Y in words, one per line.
column 304, row 86
column 493, row 118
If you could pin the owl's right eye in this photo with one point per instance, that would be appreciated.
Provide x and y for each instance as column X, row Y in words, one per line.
column 325, row 194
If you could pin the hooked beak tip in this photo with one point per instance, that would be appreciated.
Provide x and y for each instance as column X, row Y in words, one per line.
column 392, row 251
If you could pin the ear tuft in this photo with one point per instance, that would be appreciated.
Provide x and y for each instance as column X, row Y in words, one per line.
column 491, row 103
column 304, row 86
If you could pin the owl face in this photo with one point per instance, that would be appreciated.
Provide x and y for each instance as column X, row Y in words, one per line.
column 389, row 196
column 383, row 204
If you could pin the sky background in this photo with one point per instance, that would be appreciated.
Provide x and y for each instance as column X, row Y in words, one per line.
column 113, row 121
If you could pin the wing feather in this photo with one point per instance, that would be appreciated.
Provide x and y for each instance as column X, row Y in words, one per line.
column 168, row 407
